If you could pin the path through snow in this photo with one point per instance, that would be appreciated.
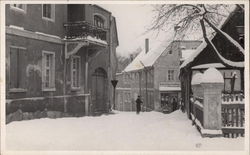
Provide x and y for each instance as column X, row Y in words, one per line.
column 120, row 131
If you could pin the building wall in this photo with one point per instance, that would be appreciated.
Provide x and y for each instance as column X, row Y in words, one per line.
column 134, row 82
column 50, row 39
column 33, row 67
column 170, row 60
column 32, row 20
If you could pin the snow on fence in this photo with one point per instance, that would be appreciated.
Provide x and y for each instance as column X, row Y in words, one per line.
column 197, row 108
column 233, row 115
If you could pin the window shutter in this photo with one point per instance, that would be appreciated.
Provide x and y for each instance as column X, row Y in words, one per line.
column 13, row 67
column 22, row 68
column 53, row 11
column 43, row 70
column 53, row 71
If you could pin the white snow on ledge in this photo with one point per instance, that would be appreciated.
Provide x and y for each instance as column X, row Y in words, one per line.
column 16, row 27
column 96, row 40
column 48, row 35
column 212, row 75
column 211, row 132
column 198, row 103
column 90, row 38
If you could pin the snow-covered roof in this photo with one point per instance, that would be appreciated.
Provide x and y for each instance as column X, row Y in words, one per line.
column 136, row 63
column 204, row 45
column 147, row 59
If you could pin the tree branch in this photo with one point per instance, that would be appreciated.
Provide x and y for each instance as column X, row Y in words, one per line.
column 224, row 61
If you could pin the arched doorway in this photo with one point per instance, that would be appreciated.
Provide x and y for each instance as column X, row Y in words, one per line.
column 99, row 90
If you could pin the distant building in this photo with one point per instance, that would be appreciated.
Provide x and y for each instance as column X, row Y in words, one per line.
column 153, row 75
column 60, row 56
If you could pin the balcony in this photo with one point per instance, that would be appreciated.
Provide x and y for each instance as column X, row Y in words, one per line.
column 84, row 31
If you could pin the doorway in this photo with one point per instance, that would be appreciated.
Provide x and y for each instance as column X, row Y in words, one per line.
column 99, row 90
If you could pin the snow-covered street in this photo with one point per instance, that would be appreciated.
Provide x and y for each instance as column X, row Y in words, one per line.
column 119, row 131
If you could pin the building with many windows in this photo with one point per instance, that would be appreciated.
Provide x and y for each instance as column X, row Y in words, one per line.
column 60, row 57
column 153, row 75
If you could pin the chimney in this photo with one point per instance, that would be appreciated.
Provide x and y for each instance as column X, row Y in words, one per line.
column 146, row 45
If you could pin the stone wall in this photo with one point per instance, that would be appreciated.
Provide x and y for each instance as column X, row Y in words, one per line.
column 32, row 108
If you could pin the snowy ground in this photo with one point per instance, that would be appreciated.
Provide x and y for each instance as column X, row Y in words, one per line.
column 120, row 131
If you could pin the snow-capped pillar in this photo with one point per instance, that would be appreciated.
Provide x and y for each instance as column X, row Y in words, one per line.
column 212, row 84
column 196, row 85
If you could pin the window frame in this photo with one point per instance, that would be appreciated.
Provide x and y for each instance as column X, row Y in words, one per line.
column 52, row 72
column 170, row 75
column 79, row 72
column 15, row 8
column 52, row 13
column 14, row 89
column 101, row 17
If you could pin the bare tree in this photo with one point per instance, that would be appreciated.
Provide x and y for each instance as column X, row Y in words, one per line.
column 190, row 18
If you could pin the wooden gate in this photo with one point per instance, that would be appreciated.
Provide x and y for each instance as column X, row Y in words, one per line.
column 99, row 90
column 233, row 115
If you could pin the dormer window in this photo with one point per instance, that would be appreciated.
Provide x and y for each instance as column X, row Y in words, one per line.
column 98, row 21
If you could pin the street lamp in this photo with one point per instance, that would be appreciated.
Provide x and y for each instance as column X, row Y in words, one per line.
column 114, row 83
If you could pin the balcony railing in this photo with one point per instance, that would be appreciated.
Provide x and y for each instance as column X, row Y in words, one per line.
column 83, row 29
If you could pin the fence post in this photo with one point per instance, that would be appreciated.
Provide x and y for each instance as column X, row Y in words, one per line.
column 87, row 105
column 212, row 85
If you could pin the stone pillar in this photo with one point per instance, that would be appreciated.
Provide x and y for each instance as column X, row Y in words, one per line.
column 87, row 105
column 212, row 105
column 212, row 84
column 196, row 85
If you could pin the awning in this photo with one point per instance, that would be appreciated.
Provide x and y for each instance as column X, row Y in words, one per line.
column 169, row 88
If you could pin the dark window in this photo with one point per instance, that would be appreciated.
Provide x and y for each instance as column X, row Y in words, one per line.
column 98, row 21
column 170, row 75
column 75, row 72
column 47, row 11
column 17, row 67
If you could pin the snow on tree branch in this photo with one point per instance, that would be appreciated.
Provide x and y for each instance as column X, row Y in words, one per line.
column 225, row 35
column 224, row 61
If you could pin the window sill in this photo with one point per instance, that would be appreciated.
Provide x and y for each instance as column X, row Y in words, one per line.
column 17, row 90
column 75, row 88
column 49, row 89
column 18, row 9
column 48, row 19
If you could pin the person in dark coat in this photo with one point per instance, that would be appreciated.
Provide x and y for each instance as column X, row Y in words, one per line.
column 138, row 104
column 174, row 104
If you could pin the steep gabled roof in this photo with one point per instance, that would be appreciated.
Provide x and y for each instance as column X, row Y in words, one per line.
column 203, row 45
column 147, row 59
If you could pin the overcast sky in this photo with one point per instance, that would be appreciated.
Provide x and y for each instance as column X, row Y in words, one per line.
column 132, row 22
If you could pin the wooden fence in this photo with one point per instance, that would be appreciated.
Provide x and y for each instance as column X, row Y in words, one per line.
column 197, row 108
column 233, row 115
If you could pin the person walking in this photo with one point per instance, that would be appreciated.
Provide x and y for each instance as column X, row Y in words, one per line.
column 138, row 104
column 174, row 104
